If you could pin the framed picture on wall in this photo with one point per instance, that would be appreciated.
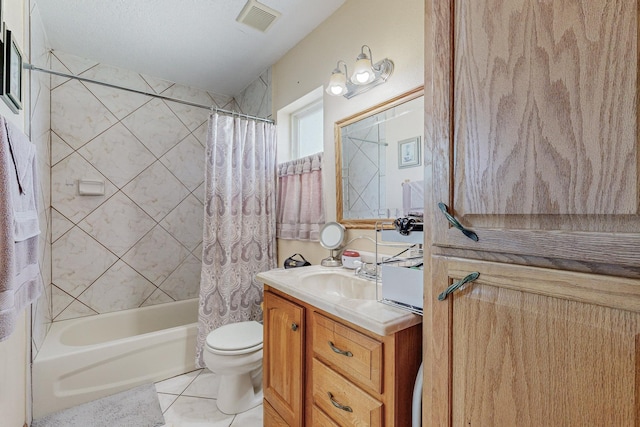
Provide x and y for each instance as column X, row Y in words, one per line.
column 409, row 153
column 12, row 70
column 1, row 21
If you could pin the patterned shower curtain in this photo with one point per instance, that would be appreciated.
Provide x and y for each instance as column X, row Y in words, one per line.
column 239, row 223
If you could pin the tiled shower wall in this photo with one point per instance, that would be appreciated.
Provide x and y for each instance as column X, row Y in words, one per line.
column 38, row 128
column 140, row 243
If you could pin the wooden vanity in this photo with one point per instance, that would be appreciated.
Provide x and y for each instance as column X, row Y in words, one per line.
column 320, row 370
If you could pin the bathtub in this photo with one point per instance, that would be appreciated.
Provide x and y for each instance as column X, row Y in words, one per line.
column 91, row 357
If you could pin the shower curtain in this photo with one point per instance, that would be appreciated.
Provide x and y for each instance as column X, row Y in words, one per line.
column 239, row 224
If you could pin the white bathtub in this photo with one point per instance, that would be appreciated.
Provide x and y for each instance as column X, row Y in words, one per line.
column 92, row 357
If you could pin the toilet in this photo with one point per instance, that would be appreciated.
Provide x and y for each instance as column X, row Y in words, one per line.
column 234, row 353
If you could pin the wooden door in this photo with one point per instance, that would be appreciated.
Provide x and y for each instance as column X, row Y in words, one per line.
column 534, row 128
column 283, row 376
column 525, row 346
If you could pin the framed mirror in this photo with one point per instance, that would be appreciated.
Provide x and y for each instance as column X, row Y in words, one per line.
column 379, row 170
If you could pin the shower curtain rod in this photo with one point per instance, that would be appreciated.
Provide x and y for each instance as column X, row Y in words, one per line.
column 28, row 66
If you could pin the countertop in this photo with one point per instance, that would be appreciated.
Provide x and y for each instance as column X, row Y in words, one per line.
column 369, row 314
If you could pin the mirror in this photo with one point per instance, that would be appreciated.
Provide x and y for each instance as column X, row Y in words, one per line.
column 379, row 156
column 332, row 237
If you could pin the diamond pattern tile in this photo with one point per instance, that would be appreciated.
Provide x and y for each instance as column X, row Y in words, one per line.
column 59, row 149
column 76, row 115
column 191, row 116
column 201, row 133
column 156, row 126
column 153, row 151
column 120, row 288
column 59, row 225
column 64, row 187
column 78, row 260
column 157, row 297
column 156, row 255
column 158, row 85
column 74, row 64
column 186, row 162
column 156, row 190
column 121, row 103
column 56, row 65
column 59, row 300
column 184, row 282
column 75, row 310
column 118, row 224
column 185, row 222
column 118, row 155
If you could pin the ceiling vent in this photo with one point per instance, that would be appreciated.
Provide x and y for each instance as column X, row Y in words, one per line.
column 257, row 15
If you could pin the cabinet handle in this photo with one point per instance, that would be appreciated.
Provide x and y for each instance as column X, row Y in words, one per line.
column 445, row 210
column 457, row 285
column 337, row 350
column 337, row 405
column 294, row 327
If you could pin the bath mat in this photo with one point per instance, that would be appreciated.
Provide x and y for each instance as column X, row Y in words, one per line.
column 138, row 407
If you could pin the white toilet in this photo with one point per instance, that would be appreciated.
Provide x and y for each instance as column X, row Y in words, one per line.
column 234, row 353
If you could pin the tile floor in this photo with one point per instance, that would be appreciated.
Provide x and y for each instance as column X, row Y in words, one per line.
column 189, row 400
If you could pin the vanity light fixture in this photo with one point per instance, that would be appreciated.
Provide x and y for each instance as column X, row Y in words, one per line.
column 365, row 76
column 338, row 81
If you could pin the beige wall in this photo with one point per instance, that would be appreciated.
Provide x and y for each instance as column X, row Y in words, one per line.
column 391, row 32
column 14, row 351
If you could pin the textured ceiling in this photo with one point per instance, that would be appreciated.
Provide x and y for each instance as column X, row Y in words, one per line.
column 197, row 43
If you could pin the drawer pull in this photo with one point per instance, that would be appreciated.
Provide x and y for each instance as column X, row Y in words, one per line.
column 337, row 405
column 337, row 350
column 294, row 327
column 457, row 285
column 445, row 210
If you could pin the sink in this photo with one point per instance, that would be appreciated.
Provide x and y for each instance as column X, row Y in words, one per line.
column 343, row 285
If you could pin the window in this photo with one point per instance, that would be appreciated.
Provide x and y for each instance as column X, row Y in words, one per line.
column 300, row 130
column 306, row 130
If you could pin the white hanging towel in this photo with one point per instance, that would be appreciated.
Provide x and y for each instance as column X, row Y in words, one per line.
column 20, row 279
column 413, row 198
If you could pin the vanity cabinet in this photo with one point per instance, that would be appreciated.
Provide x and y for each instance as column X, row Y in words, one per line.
column 283, row 358
column 532, row 346
column 352, row 377
column 534, row 131
column 532, row 144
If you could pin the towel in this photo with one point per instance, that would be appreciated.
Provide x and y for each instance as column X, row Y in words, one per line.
column 413, row 198
column 25, row 209
column 20, row 279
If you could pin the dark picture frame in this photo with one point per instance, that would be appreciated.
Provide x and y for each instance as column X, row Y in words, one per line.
column 1, row 21
column 12, row 72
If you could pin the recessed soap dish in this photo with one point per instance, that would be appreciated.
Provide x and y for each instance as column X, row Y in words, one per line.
column 91, row 187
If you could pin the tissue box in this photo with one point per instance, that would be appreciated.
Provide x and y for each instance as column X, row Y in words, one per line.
column 403, row 285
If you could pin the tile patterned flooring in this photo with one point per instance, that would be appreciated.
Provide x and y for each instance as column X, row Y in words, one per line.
column 189, row 400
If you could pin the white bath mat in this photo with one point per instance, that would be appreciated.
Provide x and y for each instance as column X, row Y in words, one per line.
column 138, row 407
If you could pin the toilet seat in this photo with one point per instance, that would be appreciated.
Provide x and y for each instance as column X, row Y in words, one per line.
column 235, row 338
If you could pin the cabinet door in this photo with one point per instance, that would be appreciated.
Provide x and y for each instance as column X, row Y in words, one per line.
column 284, row 357
column 524, row 346
column 534, row 128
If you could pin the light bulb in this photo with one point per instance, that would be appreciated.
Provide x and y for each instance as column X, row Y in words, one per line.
column 363, row 73
column 337, row 83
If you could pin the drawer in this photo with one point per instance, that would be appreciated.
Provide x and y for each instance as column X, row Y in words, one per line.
column 341, row 400
column 320, row 419
column 356, row 356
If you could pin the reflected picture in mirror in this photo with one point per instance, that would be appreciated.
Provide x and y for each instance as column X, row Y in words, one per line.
column 377, row 155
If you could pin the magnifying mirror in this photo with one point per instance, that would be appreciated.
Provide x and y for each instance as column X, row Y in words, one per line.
column 332, row 237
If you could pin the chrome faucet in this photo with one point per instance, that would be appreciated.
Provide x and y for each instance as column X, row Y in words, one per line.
column 363, row 271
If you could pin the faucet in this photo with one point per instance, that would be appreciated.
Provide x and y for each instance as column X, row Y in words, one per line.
column 364, row 272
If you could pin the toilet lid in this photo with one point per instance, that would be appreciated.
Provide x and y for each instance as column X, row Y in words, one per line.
column 236, row 336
